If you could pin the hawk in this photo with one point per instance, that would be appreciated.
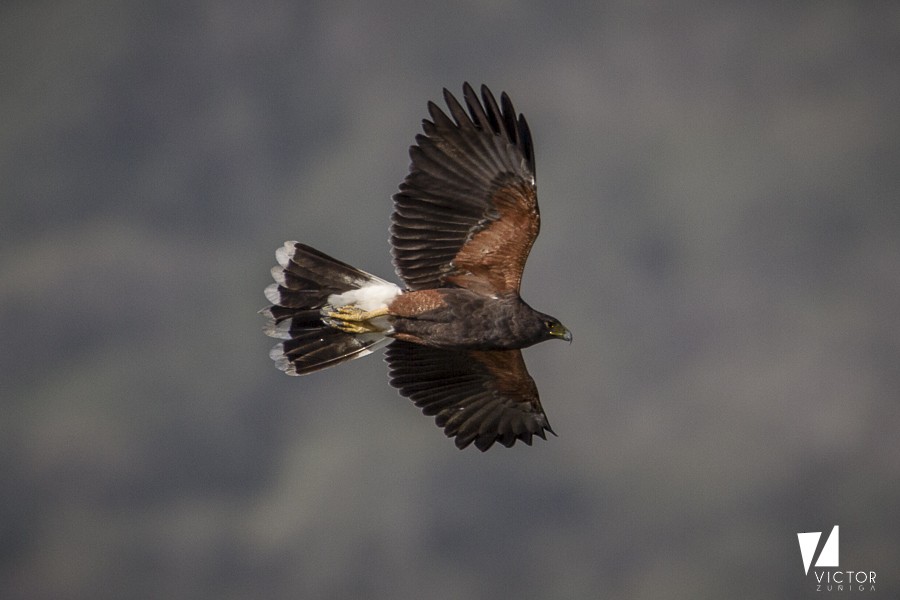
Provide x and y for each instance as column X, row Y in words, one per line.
column 464, row 221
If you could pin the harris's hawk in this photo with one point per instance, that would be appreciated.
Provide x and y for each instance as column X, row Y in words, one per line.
column 464, row 221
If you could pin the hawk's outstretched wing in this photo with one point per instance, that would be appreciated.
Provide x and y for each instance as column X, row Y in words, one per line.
column 467, row 213
column 475, row 396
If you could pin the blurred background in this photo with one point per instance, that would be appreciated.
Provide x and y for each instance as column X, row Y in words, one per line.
column 721, row 231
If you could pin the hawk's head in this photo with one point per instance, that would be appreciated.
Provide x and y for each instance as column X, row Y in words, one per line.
column 555, row 329
column 552, row 328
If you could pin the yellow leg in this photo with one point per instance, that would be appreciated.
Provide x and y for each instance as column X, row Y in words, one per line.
column 353, row 320
column 352, row 313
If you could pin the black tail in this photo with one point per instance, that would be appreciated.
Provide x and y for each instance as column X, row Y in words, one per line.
column 305, row 279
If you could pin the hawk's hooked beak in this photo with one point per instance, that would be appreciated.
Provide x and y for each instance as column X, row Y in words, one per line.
column 558, row 330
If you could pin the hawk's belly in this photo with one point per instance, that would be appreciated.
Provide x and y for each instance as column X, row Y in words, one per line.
column 457, row 318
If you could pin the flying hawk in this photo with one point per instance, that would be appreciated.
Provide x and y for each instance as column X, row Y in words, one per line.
column 463, row 223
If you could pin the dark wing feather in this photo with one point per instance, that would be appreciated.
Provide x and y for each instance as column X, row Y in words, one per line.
column 467, row 213
column 475, row 396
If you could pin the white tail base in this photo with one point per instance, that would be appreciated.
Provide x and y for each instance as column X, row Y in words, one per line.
column 369, row 297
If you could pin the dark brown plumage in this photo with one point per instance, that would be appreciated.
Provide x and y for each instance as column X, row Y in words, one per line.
column 467, row 213
column 464, row 221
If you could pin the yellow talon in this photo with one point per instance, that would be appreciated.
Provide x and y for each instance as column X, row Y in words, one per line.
column 351, row 327
column 351, row 313
column 353, row 320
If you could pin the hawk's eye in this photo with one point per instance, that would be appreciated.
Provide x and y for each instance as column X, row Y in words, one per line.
column 549, row 325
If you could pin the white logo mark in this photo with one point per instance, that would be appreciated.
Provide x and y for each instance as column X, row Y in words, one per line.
column 828, row 557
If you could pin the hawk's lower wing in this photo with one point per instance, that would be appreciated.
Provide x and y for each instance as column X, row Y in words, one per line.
column 475, row 396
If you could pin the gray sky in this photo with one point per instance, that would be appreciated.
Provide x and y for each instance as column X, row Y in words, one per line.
column 718, row 184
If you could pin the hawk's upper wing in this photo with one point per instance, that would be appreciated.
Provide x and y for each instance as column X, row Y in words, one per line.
column 467, row 213
column 475, row 396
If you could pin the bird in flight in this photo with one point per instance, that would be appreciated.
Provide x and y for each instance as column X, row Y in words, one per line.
column 463, row 223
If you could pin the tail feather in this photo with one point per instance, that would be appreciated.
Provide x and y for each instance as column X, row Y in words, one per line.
column 319, row 350
column 307, row 268
column 307, row 281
